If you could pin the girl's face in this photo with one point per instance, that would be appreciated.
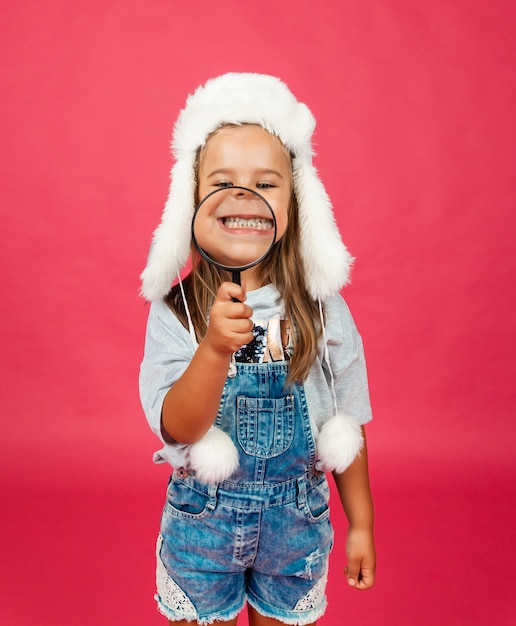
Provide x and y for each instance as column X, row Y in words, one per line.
column 244, row 156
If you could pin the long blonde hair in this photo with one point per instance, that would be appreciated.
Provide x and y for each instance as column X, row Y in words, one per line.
column 283, row 267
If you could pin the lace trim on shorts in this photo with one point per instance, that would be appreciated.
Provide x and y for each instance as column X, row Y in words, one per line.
column 170, row 594
column 314, row 597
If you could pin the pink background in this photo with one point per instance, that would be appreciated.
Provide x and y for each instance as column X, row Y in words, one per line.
column 415, row 140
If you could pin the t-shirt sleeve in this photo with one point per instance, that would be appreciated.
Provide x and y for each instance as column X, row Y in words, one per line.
column 167, row 353
column 347, row 359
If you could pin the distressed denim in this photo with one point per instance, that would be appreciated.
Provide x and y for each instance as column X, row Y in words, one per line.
column 264, row 535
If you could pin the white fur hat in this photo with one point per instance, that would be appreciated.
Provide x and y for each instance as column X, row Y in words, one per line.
column 236, row 98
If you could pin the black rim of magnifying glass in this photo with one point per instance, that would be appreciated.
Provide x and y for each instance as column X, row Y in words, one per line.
column 210, row 259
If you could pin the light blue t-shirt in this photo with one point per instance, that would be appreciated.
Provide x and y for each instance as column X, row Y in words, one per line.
column 169, row 350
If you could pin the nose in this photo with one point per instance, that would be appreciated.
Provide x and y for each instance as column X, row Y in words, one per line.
column 243, row 193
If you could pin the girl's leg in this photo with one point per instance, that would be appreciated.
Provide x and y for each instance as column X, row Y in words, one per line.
column 255, row 619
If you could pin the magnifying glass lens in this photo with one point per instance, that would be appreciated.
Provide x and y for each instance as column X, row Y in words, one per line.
column 234, row 228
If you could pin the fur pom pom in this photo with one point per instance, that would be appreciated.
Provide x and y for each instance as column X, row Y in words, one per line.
column 214, row 457
column 339, row 442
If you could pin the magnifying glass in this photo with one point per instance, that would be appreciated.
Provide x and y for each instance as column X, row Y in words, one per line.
column 234, row 228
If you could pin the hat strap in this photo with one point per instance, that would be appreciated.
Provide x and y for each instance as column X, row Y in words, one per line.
column 327, row 358
column 188, row 316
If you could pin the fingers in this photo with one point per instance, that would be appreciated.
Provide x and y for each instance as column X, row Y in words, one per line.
column 361, row 555
column 230, row 325
column 361, row 579
column 231, row 292
column 360, row 570
column 230, row 303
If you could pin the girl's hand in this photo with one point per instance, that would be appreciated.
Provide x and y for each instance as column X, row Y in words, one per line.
column 230, row 325
column 360, row 570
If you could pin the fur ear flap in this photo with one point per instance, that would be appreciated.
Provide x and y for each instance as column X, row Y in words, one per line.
column 214, row 457
column 340, row 441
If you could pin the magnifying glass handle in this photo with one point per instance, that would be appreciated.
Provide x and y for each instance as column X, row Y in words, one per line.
column 235, row 277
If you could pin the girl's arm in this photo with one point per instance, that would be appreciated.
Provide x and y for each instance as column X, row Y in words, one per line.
column 355, row 495
column 191, row 404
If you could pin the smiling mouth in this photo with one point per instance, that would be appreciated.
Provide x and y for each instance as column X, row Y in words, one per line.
column 255, row 223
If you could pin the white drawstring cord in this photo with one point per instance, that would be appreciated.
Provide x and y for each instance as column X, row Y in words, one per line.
column 188, row 316
column 327, row 358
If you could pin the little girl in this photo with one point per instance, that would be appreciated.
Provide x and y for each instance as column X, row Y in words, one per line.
column 251, row 434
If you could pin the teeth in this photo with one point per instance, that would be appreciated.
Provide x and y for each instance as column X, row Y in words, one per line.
column 258, row 223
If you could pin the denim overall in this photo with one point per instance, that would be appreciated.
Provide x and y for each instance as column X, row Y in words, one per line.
column 264, row 534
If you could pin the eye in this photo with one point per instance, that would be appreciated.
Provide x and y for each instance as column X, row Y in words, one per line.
column 265, row 186
column 223, row 184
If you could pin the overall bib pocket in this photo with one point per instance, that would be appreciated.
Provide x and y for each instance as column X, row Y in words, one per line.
column 265, row 426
